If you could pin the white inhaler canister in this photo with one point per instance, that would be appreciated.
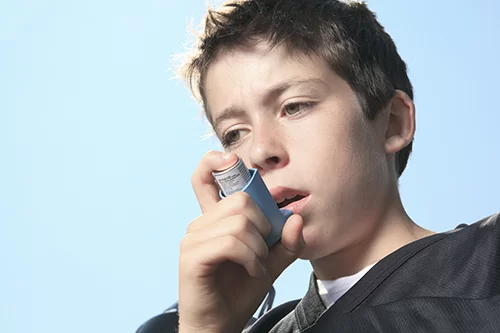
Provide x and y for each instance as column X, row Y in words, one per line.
column 234, row 179
column 239, row 178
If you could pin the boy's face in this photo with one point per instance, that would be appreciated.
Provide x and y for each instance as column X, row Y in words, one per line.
column 302, row 127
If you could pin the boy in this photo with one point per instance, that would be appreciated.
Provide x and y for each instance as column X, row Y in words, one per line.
column 314, row 95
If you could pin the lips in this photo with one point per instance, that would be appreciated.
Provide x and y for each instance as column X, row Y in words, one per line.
column 289, row 201
column 289, row 198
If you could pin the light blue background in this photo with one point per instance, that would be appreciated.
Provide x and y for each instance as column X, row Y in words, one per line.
column 98, row 143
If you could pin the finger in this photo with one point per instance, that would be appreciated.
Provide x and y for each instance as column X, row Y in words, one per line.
column 238, row 226
column 203, row 260
column 239, row 203
column 285, row 252
column 204, row 186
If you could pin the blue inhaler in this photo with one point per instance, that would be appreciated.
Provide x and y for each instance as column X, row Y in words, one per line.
column 239, row 178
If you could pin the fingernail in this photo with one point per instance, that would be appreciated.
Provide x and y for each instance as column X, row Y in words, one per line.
column 226, row 156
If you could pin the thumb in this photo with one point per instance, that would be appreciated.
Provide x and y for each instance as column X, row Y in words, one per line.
column 285, row 252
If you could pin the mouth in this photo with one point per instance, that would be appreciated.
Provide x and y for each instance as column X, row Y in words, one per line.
column 286, row 202
column 289, row 198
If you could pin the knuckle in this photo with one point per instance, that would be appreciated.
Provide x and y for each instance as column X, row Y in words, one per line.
column 242, row 223
column 192, row 225
column 229, row 243
column 187, row 267
column 184, row 243
column 194, row 178
column 263, row 251
column 267, row 227
column 242, row 199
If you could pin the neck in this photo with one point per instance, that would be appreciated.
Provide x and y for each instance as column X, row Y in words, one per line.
column 392, row 230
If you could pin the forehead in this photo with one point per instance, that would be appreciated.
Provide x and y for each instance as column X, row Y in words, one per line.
column 249, row 72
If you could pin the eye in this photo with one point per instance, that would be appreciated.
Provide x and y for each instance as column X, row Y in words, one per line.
column 231, row 137
column 297, row 107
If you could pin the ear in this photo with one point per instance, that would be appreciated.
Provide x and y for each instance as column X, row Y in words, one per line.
column 400, row 122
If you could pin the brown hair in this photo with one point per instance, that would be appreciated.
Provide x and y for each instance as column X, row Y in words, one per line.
column 345, row 33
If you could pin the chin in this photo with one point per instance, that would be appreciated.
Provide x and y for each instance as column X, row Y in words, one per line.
column 321, row 243
column 313, row 249
column 308, row 255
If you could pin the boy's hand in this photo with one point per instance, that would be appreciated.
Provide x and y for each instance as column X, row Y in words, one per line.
column 225, row 267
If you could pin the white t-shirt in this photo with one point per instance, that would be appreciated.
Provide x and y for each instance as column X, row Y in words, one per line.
column 331, row 290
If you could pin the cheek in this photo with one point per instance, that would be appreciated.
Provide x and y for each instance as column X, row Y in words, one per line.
column 336, row 144
column 349, row 158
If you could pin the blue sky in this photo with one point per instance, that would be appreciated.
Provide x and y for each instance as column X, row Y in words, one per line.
column 98, row 142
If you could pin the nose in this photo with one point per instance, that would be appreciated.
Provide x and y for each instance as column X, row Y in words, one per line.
column 268, row 149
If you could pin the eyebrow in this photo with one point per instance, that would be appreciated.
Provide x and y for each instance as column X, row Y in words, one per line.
column 227, row 113
column 281, row 88
column 270, row 95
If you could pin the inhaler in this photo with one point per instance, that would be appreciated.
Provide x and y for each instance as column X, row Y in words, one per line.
column 239, row 178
